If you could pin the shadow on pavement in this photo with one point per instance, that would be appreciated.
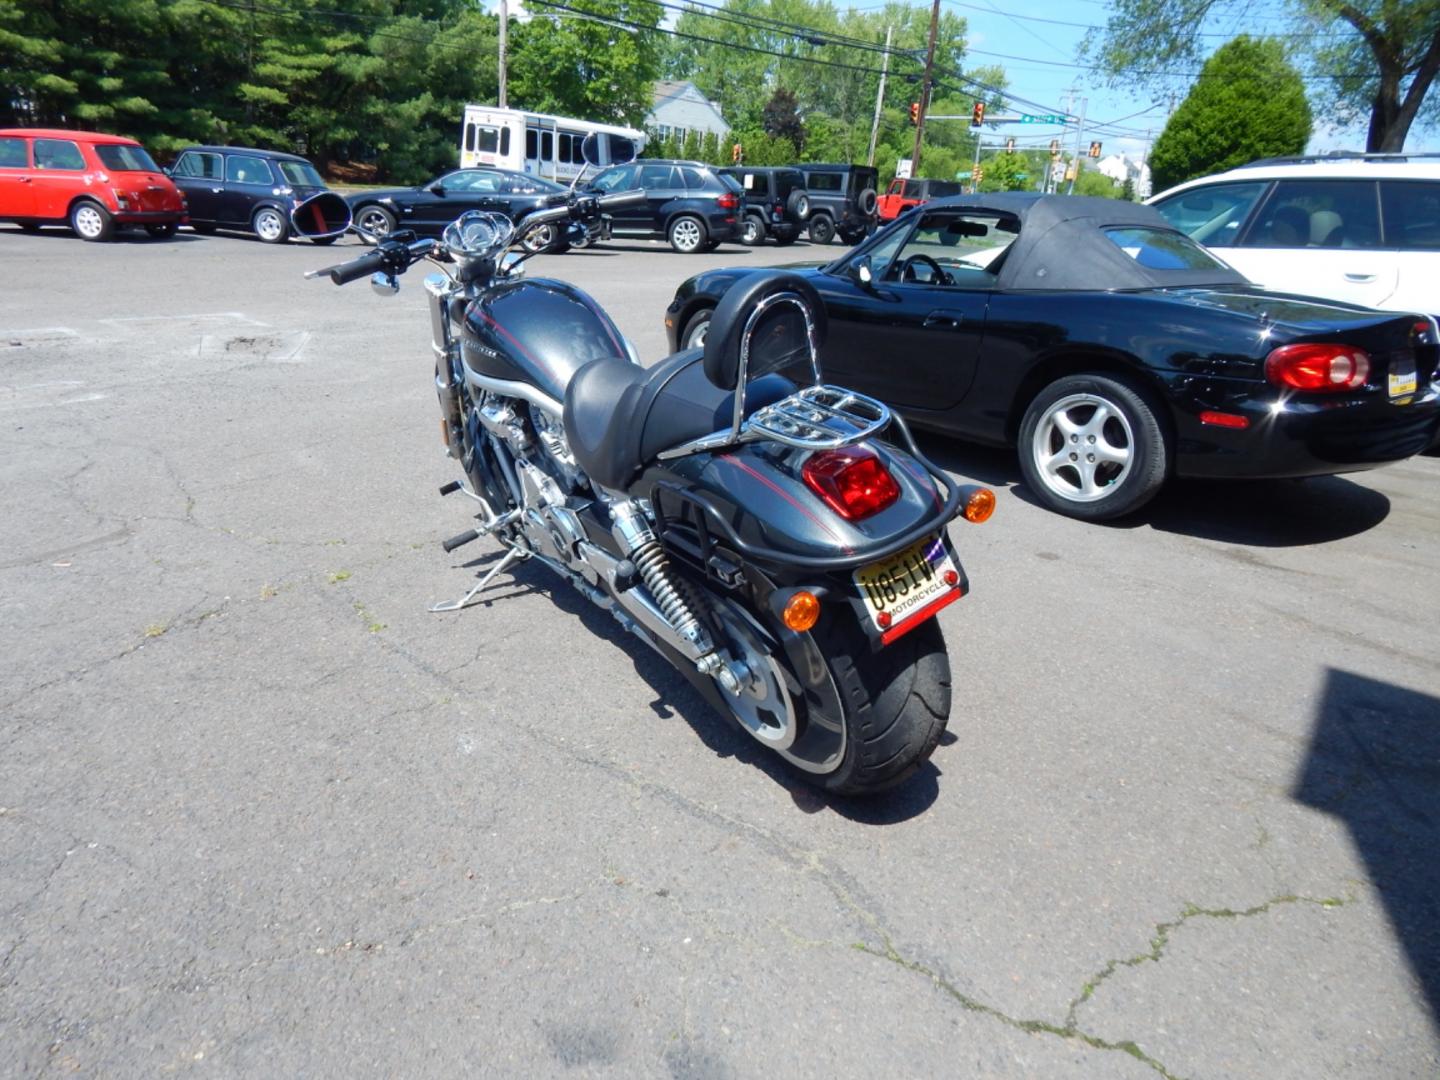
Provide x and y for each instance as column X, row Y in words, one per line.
column 676, row 697
column 1259, row 513
column 1374, row 762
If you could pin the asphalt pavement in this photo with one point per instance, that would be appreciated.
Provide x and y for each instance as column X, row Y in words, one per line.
column 261, row 814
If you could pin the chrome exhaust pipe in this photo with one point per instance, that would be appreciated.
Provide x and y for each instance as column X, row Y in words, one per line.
column 321, row 216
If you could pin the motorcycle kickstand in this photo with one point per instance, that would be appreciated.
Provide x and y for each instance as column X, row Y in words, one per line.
column 513, row 556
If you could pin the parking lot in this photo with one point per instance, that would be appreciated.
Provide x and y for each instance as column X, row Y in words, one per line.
column 263, row 814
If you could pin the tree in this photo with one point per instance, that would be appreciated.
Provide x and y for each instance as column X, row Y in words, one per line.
column 1094, row 182
column 1006, row 171
column 1375, row 57
column 1248, row 103
column 1127, row 190
column 782, row 118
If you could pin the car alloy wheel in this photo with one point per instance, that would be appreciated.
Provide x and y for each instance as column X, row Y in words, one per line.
column 90, row 222
column 270, row 225
column 1092, row 446
column 697, row 331
column 374, row 222
column 539, row 240
column 754, row 232
column 687, row 235
column 822, row 229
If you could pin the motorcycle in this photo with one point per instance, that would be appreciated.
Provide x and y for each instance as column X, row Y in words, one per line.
column 755, row 530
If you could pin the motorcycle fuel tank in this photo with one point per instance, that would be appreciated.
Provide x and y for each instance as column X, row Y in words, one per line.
column 537, row 331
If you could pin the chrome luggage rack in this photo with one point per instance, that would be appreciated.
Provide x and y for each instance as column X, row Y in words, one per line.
column 819, row 417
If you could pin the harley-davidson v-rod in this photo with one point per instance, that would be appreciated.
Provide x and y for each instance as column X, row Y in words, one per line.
column 758, row 532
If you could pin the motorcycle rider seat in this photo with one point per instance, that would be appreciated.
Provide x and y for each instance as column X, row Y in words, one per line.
column 619, row 416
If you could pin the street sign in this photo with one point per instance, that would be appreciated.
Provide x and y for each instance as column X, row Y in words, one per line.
column 1043, row 118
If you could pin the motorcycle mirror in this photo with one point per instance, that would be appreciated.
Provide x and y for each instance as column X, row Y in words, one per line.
column 320, row 216
column 590, row 149
column 384, row 284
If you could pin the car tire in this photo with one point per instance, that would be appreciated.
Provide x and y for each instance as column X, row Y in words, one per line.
column 162, row 232
column 797, row 207
column 375, row 221
column 204, row 228
column 867, row 201
column 1092, row 447
column 786, row 237
column 270, row 225
column 687, row 234
column 711, row 245
column 91, row 221
column 324, row 241
column 544, row 240
column 696, row 330
column 752, row 233
column 822, row 229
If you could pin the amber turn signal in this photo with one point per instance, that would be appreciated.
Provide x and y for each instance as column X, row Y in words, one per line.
column 802, row 611
column 980, row 505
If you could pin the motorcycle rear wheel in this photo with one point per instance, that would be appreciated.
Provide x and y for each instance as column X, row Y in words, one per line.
column 892, row 705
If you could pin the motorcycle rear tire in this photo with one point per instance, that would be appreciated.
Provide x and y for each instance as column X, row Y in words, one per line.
column 896, row 703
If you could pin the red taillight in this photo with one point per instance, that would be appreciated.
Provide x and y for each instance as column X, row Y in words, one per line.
column 728, row 201
column 852, row 481
column 1318, row 367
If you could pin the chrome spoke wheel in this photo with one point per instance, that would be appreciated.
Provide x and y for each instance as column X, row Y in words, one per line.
column 1083, row 447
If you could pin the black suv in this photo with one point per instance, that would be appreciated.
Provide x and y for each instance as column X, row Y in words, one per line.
column 237, row 187
column 690, row 204
column 776, row 203
column 842, row 201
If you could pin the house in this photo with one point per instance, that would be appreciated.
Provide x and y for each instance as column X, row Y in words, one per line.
column 1120, row 168
column 681, row 108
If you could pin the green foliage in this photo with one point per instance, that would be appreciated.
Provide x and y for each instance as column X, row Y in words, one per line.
column 1007, row 172
column 1127, row 190
column 1094, row 182
column 593, row 68
column 1248, row 103
column 375, row 80
column 1374, row 59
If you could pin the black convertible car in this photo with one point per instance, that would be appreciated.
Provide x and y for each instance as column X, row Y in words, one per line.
column 427, row 209
column 1112, row 350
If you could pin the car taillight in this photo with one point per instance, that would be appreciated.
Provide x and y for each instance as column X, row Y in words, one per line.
column 728, row 201
column 852, row 481
column 1318, row 367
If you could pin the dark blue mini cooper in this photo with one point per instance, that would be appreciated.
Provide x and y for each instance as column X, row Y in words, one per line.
column 237, row 187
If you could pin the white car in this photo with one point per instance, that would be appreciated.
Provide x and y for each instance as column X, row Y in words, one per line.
column 1364, row 228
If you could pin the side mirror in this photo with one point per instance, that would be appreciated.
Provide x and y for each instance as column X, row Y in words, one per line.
column 863, row 273
column 436, row 188
column 166, row 171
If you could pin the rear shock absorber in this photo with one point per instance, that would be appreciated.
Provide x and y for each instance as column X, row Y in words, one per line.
column 643, row 549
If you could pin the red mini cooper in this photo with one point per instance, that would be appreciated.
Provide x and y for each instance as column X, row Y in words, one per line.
column 92, row 182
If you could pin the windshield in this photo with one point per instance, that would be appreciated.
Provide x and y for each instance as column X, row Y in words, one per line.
column 300, row 174
column 118, row 157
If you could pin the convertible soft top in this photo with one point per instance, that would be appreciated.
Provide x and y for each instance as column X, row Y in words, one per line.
column 1062, row 244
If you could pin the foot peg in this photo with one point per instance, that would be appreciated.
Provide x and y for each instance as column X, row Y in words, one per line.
column 461, row 540
column 450, row 488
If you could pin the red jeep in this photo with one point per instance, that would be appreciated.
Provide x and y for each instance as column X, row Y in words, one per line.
column 86, row 180
column 904, row 193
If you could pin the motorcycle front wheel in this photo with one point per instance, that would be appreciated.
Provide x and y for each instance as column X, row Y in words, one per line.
column 851, row 720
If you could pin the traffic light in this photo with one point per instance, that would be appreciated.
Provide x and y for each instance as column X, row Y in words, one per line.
column 1095, row 149
column 977, row 114
column 915, row 113
column 736, row 153
column 977, row 174
column 1054, row 147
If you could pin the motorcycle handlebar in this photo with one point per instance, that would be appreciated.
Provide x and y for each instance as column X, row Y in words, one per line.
column 364, row 266
column 568, row 207
column 392, row 257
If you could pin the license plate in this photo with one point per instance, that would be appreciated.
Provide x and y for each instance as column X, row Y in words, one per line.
column 1402, row 378
column 903, row 590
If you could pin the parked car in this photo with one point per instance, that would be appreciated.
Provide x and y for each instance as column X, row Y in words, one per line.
column 842, row 201
column 694, row 206
column 1112, row 350
column 92, row 182
column 240, row 187
column 1363, row 228
column 776, row 203
column 905, row 193
column 427, row 209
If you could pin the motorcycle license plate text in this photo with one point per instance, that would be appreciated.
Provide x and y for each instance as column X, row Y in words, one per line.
column 903, row 590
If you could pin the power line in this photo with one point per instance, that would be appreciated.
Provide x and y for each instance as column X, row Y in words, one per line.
column 1096, row 26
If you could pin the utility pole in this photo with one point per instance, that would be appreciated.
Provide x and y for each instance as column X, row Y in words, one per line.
column 879, row 99
column 925, row 88
column 1079, row 143
column 504, row 49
